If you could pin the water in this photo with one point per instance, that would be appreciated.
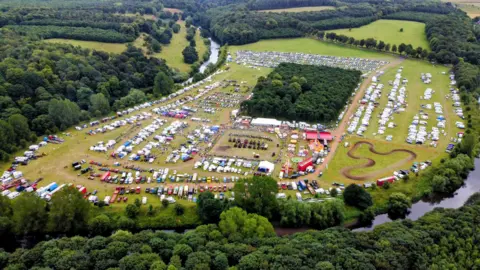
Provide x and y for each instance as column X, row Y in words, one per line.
column 456, row 200
column 214, row 52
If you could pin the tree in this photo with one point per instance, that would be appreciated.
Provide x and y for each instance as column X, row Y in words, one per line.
column 257, row 195
column 220, row 262
column 99, row 105
column 125, row 223
column 29, row 214
column 333, row 192
column 402, row 48
column 355, row 195
column 394, row 48
column 401, row 30
column 163, row 84
column 237, row 224
column 165, row 203
column 176, row 28
column 398, row 205
column 19, row 123
column 209, row 208
column 132, row 211
column 190, row 55
column 182, row 250
column 387, row 47
column 179, row 209
column 69, row 211
column 100, row 225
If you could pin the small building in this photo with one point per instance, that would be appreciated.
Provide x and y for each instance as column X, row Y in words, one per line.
column 322, row 135
column 266, row 167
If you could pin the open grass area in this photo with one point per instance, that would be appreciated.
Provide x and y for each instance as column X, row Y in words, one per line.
column 173, row 10
column 389, row 31
column 298, row 9
column 472, row 9
column 225, row 148
column 172, row 53
column 145, row 16
column 93, row 45
column 312, row 46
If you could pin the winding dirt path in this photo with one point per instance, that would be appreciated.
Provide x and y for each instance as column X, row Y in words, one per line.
column 346, row 171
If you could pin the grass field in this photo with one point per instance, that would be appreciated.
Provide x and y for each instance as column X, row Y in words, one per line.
column 172, row 53
column 93, row 45
column 309, row 45
column 298, row 9
column 472, row 9
column 173, row 10
column 145, row 16
column 389, row 31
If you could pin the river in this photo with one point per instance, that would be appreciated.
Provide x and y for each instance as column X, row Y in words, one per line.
column 420, row 208
column 214, row 52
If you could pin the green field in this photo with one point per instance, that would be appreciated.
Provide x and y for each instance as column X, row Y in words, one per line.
column 472, row 9
column 389, row 31
column 93, row 45
column 172, row 53
column 298, row 9
column 312, row 46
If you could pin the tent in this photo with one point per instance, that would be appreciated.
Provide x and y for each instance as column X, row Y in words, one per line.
column 266, row 167
column 266, row 122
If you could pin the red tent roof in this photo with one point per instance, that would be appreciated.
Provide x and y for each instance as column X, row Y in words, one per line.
column 324, row 135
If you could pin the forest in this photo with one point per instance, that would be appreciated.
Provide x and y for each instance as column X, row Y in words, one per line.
column 302, row 93
column 444, row 237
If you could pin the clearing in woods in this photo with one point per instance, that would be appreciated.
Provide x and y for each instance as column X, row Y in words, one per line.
column 93, row 45
column 172, row 53
column 389, row 32
column 298, row 9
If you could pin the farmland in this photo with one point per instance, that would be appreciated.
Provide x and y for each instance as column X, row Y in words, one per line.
column 92, row 45
column 298, row 9
column 389, row 32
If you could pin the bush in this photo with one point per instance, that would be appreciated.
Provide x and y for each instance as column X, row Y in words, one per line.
column 355, row 195
column 179, row 209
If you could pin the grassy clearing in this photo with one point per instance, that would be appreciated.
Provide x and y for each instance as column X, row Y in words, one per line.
column 298, row 9
column 93, row 45
column 172, row 53
column 472, row 9
column 145, row 16
column 173, row 10
column 389, row 31
column 312, row 46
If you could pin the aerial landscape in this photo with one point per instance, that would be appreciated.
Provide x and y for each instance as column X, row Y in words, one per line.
column 260, row 134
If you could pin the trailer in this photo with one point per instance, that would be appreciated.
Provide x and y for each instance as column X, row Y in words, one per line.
column 382, row 181
column 303, row 165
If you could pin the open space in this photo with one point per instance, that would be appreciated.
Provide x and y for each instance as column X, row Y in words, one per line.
column 172, row 53
column 92, row 45
column 298, row 9
column 389, row 31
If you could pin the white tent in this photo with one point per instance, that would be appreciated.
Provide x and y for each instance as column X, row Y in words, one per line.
column 266, row 166
column 266, row 122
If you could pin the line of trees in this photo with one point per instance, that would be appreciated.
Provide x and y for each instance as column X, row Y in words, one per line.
column 247, row 241
column 371, row 43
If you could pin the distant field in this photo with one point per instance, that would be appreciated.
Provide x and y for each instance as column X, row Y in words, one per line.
column 145, row 16
column 308, row 45
column 172, row 53
column 298, row 9
column 93, row 45
column 173, row 10
column 389, row 31
column 472, row 9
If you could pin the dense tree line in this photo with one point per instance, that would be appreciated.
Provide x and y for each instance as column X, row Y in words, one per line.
column 247, row 241
column 79, row 33
column 302, row 92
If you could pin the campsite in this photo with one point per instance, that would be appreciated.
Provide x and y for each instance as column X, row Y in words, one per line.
column 142, row 144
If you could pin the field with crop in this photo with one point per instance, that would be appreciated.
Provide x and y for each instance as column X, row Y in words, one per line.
column 298, row 9
column 389, row 31
column 173, row 10
column 92, row 45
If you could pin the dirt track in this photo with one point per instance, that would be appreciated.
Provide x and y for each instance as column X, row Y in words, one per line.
column 370, row 162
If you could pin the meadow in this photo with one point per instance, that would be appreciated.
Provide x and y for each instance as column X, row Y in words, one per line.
column 389, row 31
column 472, row 9
column 172, row 53
column 312, row 46
column 298, row 9
column 92, row 45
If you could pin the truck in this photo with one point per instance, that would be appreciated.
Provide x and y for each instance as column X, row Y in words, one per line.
column 301, row 185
